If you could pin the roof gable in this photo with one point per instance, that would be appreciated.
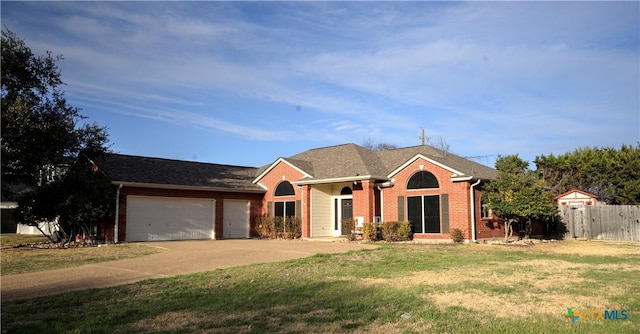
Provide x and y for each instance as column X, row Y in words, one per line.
column 420, row 156
column 575, row 192
column 461, row 168
column 291, row 162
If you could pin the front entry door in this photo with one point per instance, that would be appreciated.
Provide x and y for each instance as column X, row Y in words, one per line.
column 342, row 209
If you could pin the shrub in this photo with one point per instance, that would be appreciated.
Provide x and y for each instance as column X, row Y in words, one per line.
column 389, row 231
column 279, row 227
column 265, row 227
column 369, row 231
column 404, row 231
column 456, row 235
column 396, row 231
column 349, row 229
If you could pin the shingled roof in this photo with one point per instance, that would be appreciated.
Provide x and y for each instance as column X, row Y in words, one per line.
column 351, row 160
column 340, row 161
column 146, row 171
column 327, row 163
column 396, row 157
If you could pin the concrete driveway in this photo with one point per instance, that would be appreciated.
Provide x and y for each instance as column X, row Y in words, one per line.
column 180, row 257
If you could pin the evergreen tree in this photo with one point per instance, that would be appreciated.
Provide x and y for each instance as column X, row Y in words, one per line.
column 42, row 138
column 612, row 175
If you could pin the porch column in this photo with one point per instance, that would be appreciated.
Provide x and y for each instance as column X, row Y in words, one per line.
column 364, row 202
column 306, row 211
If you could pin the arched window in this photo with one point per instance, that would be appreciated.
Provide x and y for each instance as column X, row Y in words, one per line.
column 423, row 211
column 284, row 188
column 346, row 191
column 284, row 208
column 422, row 180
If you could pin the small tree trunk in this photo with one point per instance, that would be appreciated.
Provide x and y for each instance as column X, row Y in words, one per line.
column 528, row 228
column 508, row 230
column 49, row 236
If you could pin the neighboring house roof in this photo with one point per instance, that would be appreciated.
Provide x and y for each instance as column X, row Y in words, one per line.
column 574, row 191
column 351, row 161
column 166, row 173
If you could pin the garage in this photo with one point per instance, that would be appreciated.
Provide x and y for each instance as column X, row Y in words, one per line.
column 236, row 219
column 164, row 218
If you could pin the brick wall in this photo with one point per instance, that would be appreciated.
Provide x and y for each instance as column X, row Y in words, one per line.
column 285, row 172
column 364, row 200
column 458, row 192
column 219, row 197
column 281, row 172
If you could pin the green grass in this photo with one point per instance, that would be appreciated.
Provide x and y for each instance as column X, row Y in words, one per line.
column 27, row 260
column 393, row 289
column 10, row 240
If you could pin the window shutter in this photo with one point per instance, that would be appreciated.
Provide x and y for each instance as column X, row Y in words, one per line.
column 298, row 209
column 444, row 201
column 400, row 208
column 269, row 209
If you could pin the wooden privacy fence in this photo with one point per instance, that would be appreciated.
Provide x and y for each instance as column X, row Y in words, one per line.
column 602, row 222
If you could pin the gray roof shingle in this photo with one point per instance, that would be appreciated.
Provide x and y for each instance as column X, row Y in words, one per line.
column 341, row 161
column 349, row 160
column 165, row 172
column 396, row 157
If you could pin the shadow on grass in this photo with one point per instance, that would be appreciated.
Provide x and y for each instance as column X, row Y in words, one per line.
column 206, row 302
column 324, row 293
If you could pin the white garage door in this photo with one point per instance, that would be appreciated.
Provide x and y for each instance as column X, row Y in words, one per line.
column 160, row 218
column 236, row 219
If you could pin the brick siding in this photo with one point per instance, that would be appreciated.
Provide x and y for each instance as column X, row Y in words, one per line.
column 219, row 197
column 458, row 192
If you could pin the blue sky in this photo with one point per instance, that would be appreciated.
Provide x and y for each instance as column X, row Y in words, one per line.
column 244, row 83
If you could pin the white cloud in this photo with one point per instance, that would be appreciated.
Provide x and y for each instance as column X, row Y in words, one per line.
column 512, row 72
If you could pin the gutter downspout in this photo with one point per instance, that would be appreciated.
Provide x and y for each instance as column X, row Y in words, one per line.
column 473, row 211
column 115, row 228
column 381, row 186
column 381, row 203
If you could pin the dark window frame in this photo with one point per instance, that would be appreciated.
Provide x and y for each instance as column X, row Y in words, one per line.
column 346, row 191
column 423, row 180
column 425, row 214
column 284, row 188
column 284, row 209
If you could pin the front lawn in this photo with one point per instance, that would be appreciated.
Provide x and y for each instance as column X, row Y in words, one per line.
column 400, row 288
column 26, row 260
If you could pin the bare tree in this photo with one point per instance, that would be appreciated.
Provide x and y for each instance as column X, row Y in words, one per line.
column 439, row 143
column 370, row 144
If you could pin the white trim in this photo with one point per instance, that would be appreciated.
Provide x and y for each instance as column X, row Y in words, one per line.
column 381, row 203
column 456, row 173
column 8, row 205
column 273, row 165
column 461, row 178
column 117, row 220
column 338, row 210
column 339, row 179
column 472, row 198
column 182, row 187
